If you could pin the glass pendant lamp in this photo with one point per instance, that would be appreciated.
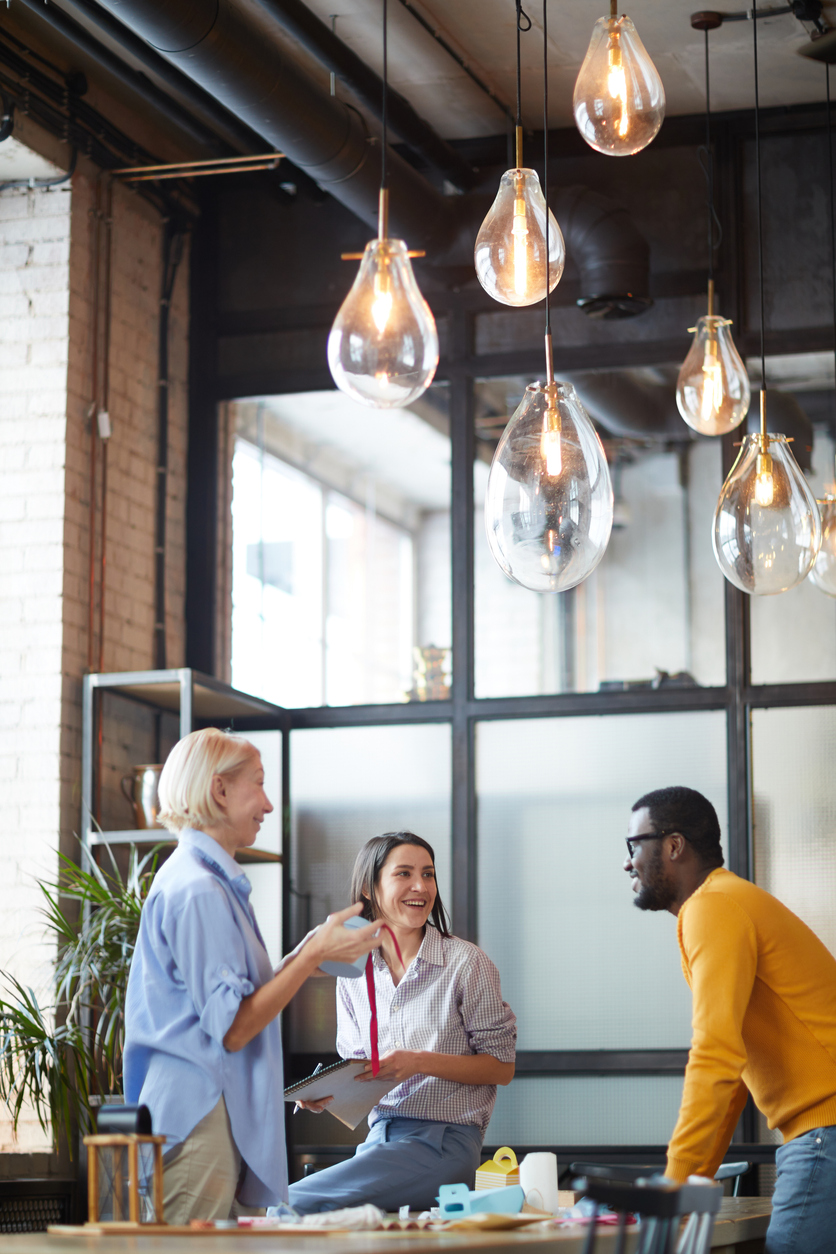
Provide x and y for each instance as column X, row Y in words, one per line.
column 511, row 247
column 619, row 100
column 823, row 574
column 383, row 346
column 549, row 504
column 712, row 390
column 767, row 527
column 510, row 250
column 549, row 500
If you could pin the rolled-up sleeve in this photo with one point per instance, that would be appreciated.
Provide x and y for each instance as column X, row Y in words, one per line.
column 211, row 960
column 490, row 1023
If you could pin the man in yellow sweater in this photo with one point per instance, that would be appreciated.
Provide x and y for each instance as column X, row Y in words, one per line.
column 764, row 1015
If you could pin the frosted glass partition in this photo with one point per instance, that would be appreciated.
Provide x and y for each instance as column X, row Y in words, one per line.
column 793, row 751
column 348, row 784
column 794, row 635
column 265, row 877
column 654, row 605
column 585, row 1110
column 582, row 968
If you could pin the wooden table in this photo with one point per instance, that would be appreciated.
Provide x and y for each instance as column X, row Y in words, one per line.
column 740, row 1228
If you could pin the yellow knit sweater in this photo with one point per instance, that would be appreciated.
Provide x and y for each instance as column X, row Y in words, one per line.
column 764, row 1019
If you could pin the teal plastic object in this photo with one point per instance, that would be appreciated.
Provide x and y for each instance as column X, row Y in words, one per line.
column 455, row 1200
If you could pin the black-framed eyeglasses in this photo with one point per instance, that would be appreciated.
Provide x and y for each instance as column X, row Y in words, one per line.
column 634, row 840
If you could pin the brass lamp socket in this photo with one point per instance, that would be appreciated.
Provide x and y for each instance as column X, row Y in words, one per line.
column 764, row 464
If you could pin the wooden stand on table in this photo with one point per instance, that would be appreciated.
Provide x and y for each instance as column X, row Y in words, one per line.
column 118, row 1147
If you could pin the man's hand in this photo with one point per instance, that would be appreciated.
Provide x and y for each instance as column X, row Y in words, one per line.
column 398, row 1066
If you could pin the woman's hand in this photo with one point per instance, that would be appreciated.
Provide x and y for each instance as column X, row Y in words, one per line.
column 315, row 1108
column 462, row 1068
column 335, row 943
column 332, row 940
column 398, row 1066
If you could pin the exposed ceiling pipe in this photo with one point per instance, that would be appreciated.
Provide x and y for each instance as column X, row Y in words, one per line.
column 611, row 254
column 627, row 406
column 205, row 122
column 314, row 35
column 233, row 51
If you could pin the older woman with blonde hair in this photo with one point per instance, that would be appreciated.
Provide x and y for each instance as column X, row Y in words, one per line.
column 202, row 1040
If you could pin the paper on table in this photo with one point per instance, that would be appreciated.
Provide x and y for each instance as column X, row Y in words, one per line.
column 353, row 1099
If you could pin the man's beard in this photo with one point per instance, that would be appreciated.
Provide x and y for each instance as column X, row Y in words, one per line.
column 655, row 893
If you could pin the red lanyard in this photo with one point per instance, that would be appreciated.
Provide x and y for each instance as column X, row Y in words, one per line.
column 373, row 998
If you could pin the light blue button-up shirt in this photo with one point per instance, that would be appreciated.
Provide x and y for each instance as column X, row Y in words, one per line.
column 199, row 951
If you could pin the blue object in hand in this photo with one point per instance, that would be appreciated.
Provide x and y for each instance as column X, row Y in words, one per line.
column 348, row 970
column 455, row 1200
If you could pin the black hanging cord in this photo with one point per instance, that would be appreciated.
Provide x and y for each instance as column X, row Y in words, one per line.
column 523, row 24
column 384, row 173
column 832, row 212
column 546, row 158
column 758, row 184
column 715, row 230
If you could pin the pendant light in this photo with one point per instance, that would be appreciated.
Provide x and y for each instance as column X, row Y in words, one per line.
column 619, row 100
column 511, row 248
column 712, row 391
column 823, row 574
column 767, row 528
column 549, row 501
column 383, row 346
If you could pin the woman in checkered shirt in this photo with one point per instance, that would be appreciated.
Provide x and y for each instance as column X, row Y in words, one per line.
column 446, row 1040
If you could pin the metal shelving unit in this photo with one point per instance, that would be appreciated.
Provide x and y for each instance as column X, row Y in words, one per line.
column 198, row 699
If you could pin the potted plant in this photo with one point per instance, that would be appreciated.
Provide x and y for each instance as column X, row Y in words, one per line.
column 66, row 1058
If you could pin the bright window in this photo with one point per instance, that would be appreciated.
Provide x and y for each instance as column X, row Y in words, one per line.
column 322, row 590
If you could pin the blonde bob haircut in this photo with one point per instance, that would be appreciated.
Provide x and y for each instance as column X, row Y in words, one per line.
column 185, row 789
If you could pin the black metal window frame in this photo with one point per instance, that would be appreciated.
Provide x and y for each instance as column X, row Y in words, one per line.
column 460, row 370
column 737, row 698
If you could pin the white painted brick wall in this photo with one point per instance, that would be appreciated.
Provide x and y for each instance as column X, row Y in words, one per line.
column 34, row 338
column 45, row 392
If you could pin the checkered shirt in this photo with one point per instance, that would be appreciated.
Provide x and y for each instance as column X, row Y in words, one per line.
column 448, row 1002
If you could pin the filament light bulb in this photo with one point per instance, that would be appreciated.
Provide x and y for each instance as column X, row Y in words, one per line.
column 548, row 522
column 619, row 100
column 510, row 251
column 767, row 527
column 383, row 346
column 764, row 481
column 550, row 449
column 382, row 303
column 520, row 233
column 712, row 390
column 617, row 82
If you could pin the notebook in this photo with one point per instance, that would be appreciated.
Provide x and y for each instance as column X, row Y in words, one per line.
column 353, row 1099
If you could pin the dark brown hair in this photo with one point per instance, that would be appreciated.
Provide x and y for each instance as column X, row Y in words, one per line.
column 369, row 864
